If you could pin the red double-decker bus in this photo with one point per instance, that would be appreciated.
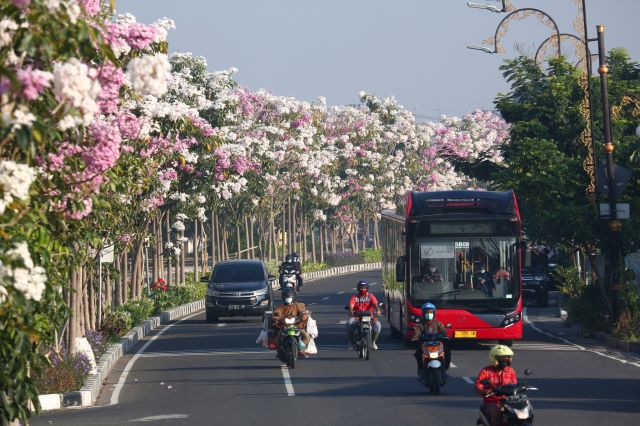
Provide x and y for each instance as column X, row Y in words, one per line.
column 459, row 250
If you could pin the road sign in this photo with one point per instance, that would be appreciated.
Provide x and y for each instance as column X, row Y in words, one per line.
column 106, row 255
column 622, row 210
column 621, row 176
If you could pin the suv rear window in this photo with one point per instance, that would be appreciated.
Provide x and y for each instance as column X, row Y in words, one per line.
column 238, row 273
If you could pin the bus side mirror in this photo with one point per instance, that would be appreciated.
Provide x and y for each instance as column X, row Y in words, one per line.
column 400, row 269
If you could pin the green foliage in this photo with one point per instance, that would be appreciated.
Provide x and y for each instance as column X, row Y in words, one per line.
column 583, row 302
column 116, row 322
column 371, row 255
column 139, row 310
column 628, row 323
column 313, row 267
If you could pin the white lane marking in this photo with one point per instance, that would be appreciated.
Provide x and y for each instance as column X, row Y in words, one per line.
column 342, row 322
column 161, row 417
column 221, row 324
column 568, row 342
column 468, row 380
column 205, row 352
column 311, row 304
column 326, row 298
column 373, row 283
column 287, row 380
column 340, row 292
column 123, row 377
column 452, row 365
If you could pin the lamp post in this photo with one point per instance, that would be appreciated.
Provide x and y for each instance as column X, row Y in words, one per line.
column 614, row 225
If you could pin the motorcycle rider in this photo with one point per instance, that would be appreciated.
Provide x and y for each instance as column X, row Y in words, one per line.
column 498, row 373
column 295, row 257
column 364, row 301
column 291, row 309
column 290, row 265
column 430, row 325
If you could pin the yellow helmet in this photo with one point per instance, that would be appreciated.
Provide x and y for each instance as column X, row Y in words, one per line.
column 499, row 351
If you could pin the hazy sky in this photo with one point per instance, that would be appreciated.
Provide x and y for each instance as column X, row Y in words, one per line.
column 414, row 50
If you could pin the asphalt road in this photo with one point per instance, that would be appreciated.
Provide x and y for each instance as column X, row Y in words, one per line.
column 197, row 373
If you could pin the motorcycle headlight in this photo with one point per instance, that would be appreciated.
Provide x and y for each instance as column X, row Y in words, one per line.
column 289, row 321
column 433, row 355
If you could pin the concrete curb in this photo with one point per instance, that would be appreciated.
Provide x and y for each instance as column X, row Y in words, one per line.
column 614, row 342
column 89, row 392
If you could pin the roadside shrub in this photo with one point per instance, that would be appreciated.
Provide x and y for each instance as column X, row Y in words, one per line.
column 342, row 259
column 628, row 325
column 98, row 340
column 312, row 267
column 371, row 255
column 139, row 310
column 66, row 373
column 583, row 302
column 116, row 322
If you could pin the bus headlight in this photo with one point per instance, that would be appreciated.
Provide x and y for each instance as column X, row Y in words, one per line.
column 511, row 319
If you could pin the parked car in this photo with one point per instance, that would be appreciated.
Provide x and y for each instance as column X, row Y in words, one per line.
column 536, row 283
column 239, row 288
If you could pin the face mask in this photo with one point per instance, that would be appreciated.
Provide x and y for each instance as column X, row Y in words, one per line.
column 430, row 315
column 482, row 271
column 502, row 363
column 363, row 291
column 288, row 300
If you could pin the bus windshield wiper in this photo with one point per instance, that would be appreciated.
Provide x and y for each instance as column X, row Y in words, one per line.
column 459, row 290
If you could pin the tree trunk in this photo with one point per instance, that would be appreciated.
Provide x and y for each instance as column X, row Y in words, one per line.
column 313, row 243
column 304, row 238
column 93, row 313
column 238, row 245
column 247, row 237
column 170, row 256
column 118, row 281
column 225, row 242
column 196, row 274
column 204, row 258
column 108, row 289
column 376, row 235
column 73, row 314
column 214, row 239
column 125, row 276
column 85, row 302
column 183, row 258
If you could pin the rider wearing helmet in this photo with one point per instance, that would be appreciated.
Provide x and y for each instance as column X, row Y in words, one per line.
column 289, row 308
column 295, row 258
column 429, row 324
column 291, row 263
column 498, row 373
column 364, row 301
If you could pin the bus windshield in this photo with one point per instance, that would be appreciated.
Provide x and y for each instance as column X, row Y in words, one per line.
column 465, row 271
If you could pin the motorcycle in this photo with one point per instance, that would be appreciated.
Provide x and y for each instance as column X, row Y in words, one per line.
column 432, row 373
column 361, row 339
column 290, row 342
column 516, row 409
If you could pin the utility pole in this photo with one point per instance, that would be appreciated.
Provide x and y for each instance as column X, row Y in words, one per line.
column 614, row 225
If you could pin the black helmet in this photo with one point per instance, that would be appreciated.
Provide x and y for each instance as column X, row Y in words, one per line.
column 362, row 285
column 295, row 255
column 288, row 292
column 288, row 258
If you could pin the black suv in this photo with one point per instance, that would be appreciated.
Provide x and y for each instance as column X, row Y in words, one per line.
column 239, row 288
column 536, row 282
